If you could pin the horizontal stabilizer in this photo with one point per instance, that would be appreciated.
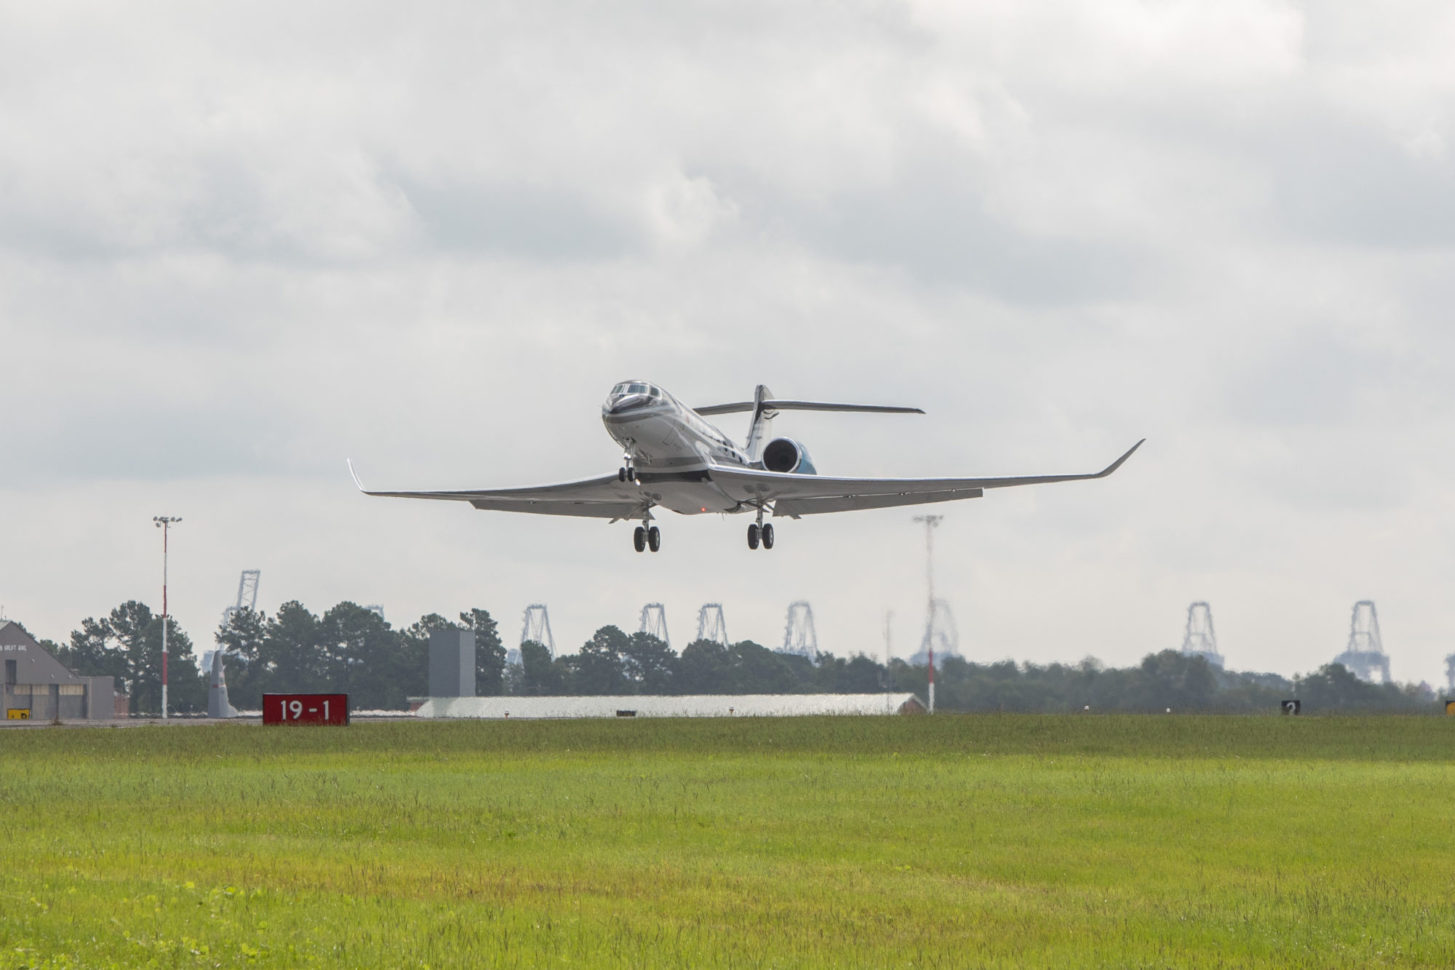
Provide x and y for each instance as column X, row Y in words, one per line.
column 772, row 405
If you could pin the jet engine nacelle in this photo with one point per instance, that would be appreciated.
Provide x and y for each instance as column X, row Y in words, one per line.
column 787, row 455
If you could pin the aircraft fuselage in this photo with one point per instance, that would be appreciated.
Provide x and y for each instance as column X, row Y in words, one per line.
column 658, row 433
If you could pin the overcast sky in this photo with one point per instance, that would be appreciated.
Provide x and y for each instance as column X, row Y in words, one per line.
column 241, row 242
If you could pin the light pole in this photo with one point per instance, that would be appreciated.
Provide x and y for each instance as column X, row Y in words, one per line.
column 930, row 522
column 164, row 522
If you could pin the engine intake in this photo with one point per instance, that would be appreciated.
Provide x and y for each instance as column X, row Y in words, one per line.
column 787, row 455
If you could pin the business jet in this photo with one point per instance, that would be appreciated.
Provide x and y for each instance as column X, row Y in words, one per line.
column 674, row 459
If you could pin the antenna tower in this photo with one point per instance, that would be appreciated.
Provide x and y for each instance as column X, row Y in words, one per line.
column 1365, row 653
column 711, row 625
column 654, row 623
column 536, row 627
column 1200, row 640
column 799, row 636
column 1450, row 672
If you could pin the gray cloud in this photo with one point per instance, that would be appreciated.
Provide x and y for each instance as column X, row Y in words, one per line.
column 240, row 244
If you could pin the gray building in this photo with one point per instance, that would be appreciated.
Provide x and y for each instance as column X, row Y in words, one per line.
column 34, row 686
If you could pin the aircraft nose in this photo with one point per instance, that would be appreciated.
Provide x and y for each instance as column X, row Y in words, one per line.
column 627, row 402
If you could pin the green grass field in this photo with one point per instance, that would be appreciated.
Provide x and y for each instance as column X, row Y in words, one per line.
column 970, row 841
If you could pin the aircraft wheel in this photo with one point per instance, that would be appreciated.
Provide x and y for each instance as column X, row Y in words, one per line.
column 621, row 474
column 753, row 536
column 767, row 535
column 639, row 538
column 654, row 538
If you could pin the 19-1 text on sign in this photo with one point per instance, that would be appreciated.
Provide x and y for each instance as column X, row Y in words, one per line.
column 305, row 708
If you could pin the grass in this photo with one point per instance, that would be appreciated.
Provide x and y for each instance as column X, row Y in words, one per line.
column 982, row 841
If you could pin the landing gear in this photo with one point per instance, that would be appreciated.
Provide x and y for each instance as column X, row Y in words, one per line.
column 627, row 472
column 760, row 532
column 646, row 537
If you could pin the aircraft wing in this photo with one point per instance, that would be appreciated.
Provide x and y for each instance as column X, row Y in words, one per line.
column 602, row 498
column 794, row 495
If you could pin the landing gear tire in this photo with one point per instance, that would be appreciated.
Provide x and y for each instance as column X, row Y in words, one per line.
column 767, row 535
column 621, row 474
column 654, row 538
column 639, row 538
column 753, row 536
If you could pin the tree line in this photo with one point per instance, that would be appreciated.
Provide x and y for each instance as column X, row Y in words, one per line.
column 352, row 649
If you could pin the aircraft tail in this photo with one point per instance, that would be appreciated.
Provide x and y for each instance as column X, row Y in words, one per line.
column 765, row 408
column 762, row 418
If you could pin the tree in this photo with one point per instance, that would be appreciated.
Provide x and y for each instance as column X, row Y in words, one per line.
column 650, row 665
column 94, row 651
column 1334, row 687
column 540, row 676
column 600, row 666
column 705, row 667
column 291, row 653
column 366, row 659
column 757, row 670
column 1173, row 679
column 127, row 645
column 242, row 637
column 862, row 676
column 489, row 652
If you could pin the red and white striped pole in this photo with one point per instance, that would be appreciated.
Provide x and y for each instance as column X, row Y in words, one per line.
column 932, row 680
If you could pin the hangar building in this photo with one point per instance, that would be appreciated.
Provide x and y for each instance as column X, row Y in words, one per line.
column 34, row 686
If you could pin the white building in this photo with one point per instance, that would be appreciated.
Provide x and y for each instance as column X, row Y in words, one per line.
column 696, row 705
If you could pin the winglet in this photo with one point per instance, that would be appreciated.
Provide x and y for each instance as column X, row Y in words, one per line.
column 350, row 463
column 1109, row 468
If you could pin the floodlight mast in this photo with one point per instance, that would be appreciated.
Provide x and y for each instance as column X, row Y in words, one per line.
column 164, row 522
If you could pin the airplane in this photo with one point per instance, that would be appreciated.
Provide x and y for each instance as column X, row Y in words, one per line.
column 674, row 459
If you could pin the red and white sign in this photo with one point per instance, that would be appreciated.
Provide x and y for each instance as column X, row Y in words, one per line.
column 305, row 708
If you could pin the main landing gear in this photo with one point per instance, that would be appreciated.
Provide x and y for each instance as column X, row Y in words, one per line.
column 760, row 532
column 646, row 537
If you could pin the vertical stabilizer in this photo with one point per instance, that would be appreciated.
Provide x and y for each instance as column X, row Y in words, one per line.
column 218, row 704
column 758, row 426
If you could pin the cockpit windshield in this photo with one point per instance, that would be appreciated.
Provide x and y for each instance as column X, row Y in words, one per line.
column 633, row 394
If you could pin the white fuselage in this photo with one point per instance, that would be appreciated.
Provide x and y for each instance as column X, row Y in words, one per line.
column 659, row 433
column 671, row 447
